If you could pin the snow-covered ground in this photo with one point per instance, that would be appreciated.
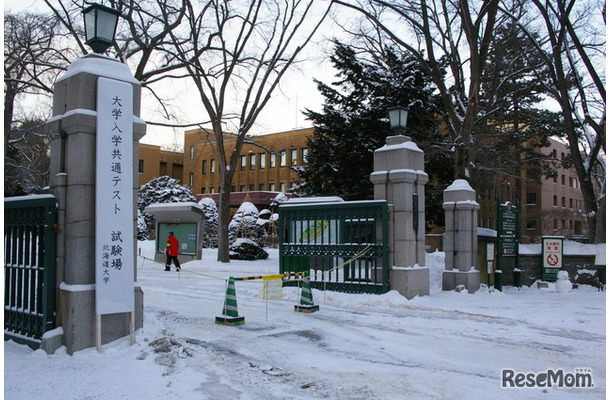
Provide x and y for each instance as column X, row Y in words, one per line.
column 447, row 345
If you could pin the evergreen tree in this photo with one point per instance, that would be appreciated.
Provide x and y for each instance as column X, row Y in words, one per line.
column 210, row 211
column 353, row 124
column 160, row 190
column 244, row 224
column 517, row 128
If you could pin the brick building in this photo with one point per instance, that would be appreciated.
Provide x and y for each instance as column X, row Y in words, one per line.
column 265, row 162
column 154, row 162
column 555, row 206
column 548, row 206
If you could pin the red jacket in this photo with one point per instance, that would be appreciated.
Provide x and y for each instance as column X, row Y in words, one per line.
column 172, row 246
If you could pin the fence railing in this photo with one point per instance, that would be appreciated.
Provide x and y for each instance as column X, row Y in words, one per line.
column 29, row 267
column 344, row 246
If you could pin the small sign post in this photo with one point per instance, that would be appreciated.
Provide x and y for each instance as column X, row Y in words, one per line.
column 552, row 257
column 508, row 232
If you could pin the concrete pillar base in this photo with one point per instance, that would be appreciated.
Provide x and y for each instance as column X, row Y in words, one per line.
column 470, row 279
column 79, row 326
column 410, row 282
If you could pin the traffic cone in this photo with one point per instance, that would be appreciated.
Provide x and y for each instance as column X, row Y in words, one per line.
column 231, row 317
column 307, row 305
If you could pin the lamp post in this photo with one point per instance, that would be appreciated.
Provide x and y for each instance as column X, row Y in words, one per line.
column 398, row 119
column 100, row 26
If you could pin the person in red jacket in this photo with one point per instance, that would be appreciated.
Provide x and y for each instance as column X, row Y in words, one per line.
column 171, row 250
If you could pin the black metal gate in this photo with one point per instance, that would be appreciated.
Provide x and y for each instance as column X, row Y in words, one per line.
column 343, row 246
column 29, row 267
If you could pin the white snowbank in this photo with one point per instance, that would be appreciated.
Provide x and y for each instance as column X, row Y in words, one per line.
column 358, row 346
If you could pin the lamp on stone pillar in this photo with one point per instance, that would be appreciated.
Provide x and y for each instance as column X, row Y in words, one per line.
column 100, row 27
column 398, row 119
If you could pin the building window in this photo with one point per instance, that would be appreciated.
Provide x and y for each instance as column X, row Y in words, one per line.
column 283, row 187
column 261, row 187
column 251, row 187
column 242, row 163
column 141, row 166
column 563, row 201
column 531, row 225
column 271, row 160
column 304, row 155
column 212, row 189
column 192, row 152
column 202, row 190
column 262, row 160
column 272, row 187
column 242, row 188
column 555, row 200
column 531, row 199
column 563, row 179
column 232, row 188
column 252, row 161
column 191, row 179
column 283, row 159
column 554, row 154
column 204, row 165
column 293, row 156
column 571, row 203
column 212, row 166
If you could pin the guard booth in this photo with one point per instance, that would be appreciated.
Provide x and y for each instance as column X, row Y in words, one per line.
column 187, row 222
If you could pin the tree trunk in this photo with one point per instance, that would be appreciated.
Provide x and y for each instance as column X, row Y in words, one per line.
column 223, row 221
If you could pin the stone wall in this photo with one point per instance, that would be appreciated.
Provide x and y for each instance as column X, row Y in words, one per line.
column 581, row 268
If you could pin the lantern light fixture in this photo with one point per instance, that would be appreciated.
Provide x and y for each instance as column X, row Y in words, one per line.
column 100, row 27
column 398, row 119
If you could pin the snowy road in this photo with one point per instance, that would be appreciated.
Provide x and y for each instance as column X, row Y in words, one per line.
column 444, row 346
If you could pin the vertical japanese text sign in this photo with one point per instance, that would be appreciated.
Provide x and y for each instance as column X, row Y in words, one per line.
column 114, row 206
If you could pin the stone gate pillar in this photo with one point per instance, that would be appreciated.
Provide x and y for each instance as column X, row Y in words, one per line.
column 399, row 178
column 73, row 182
column 460, row 243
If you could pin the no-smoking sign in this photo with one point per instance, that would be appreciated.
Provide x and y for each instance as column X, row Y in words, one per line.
column 552, row 260
column 552, row 254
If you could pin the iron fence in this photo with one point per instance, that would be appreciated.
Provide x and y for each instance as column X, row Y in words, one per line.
column 29, row 267
column 343, row 246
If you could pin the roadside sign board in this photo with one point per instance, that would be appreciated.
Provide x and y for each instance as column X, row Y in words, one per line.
column 552, row 257
column 507, row 235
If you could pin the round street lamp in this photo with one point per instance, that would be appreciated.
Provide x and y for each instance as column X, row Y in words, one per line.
column 398, row 119
column 100, row 27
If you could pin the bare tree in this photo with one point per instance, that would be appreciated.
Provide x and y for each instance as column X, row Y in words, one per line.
column 572, row 42
column 33, row 58
column 452, row 40
column 236, row 55
column 143, row 40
